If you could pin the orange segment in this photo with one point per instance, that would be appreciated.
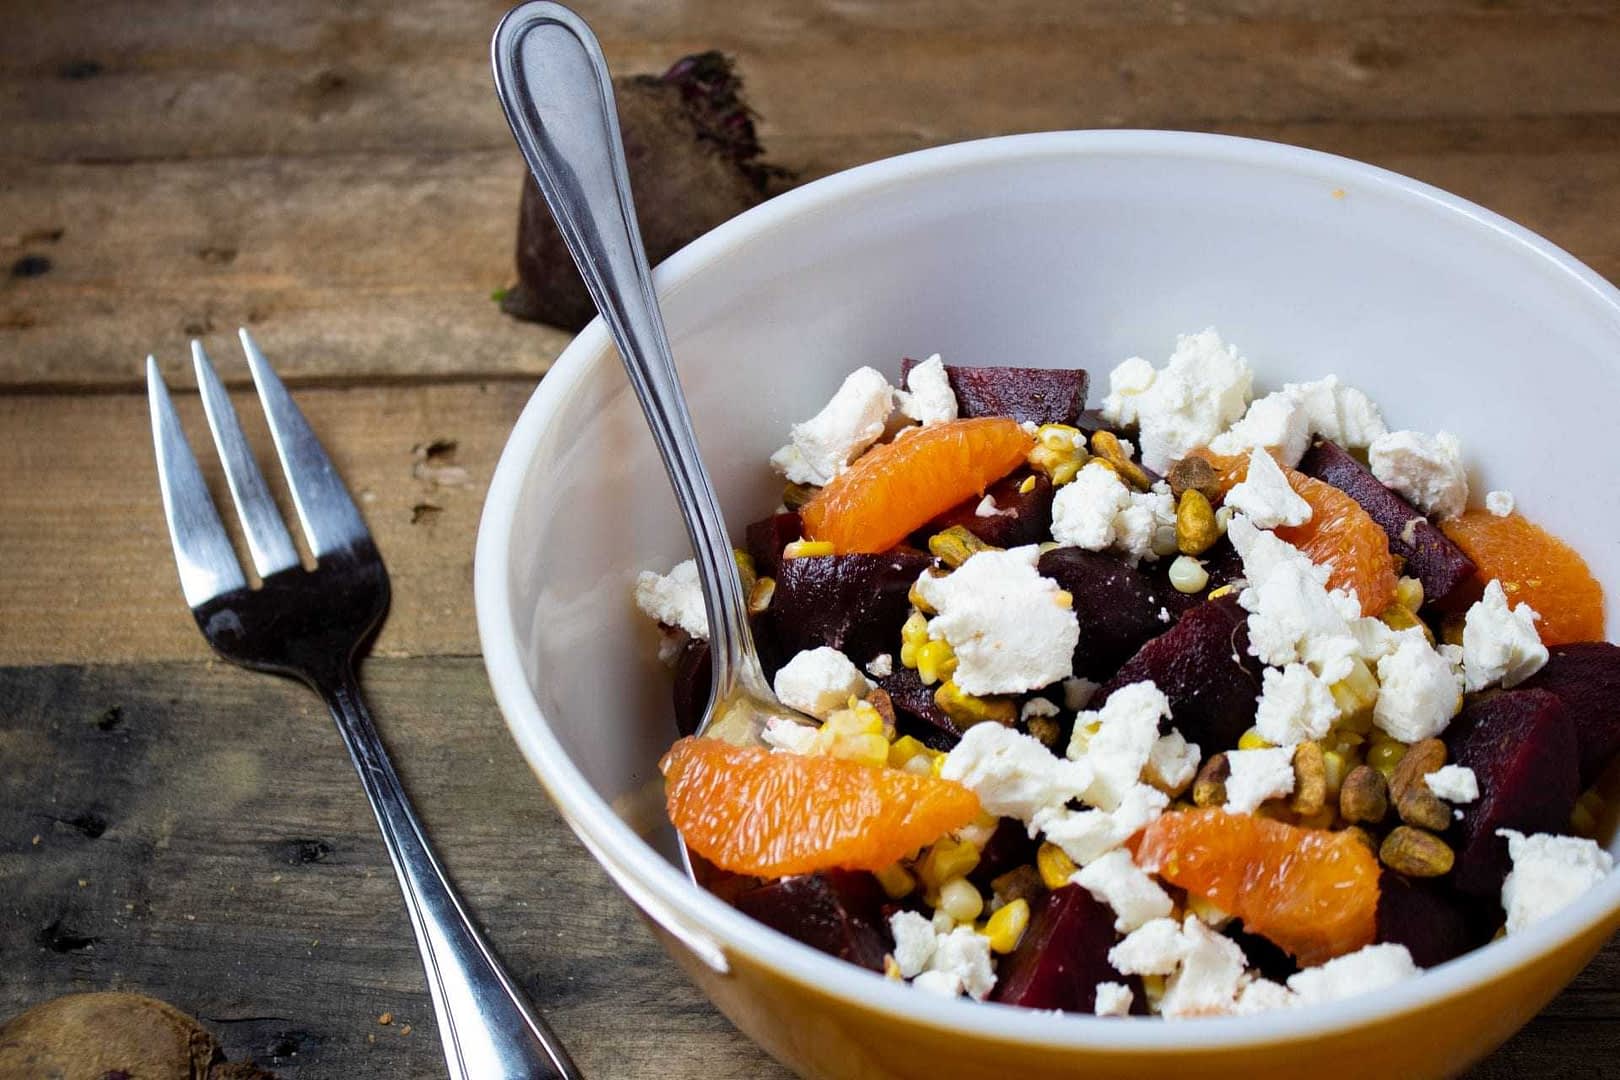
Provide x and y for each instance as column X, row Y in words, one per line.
column 1340, row 535
column 896, row 488
column 1535, row 568
column 751, row 811
column 1312, row 892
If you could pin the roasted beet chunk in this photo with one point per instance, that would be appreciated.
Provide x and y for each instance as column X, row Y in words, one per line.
column 1021, row 517
column 916, row 714
column 1521, row 746
column 693, row 674
column 1434, row 924
column 1586, row 678
column 855, row 603
column 1203, row 666
column 1430, row 557
column 1041, row 395
column 766, row 539
column 1008, row 848
column 1063, row 955
column 839, row 912
column 1118, row 607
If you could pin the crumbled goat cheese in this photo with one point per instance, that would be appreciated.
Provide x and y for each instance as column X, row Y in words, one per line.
column 789, row 736
column 1078, row 692
column 823, row 446
column 1549, row 873
column 1262, row 995
column 819, row 680
column 1088, row 835
column 1418, row 692
column 1293, row 619
column 1263, row 553
column 1371, row 968
column 1258, row 775
column 1427, row 470
column 1295, row 706
column 1211, row 972
column 965, row 954
column 928, row 398
column 1172, row 763
column 1037, row 706
column 939, row 983
column 1500, row 503
column 1500, row 645
column 1154, row 948
column 1286, row 420
column 1454, row 783
column 1118, row 882
column 1339, row 413
column 1113, row 999
column 1013, row 774
column 914, row 942
column 880, row 666
column 1117, row 740
column 1097, row 511
column 1199, row 393
column 675, row 598
column 1005, row 623
column 1265, row 496
column 1275, row 422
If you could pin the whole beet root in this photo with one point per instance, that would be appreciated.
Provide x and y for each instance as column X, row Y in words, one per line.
column 693, row 156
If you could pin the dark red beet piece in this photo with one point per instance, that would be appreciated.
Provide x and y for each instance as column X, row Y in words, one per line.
column 1586, row 678
column 1270, row 959
column 839, row 912
column 766, row 538
column 1040, row 395
column 1521, row 746
column 855, row 603
column 692, row 673
column 1433, row 924
column 1118, row 607
column 1063, row 956
column 1430, row 556
column 1021, row 517
column 915, row 712
column 1203, row 666
column 1008, row 848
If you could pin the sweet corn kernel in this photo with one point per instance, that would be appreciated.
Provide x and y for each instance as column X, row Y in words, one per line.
column 896, row 881
column 904, row 749
column 1027, row 486
column 1208, row 913
column 1253, row 740
column 1187, row 574
column 760, row 596
column 1063, row 598
column 1409, row 593
column 1055, row 866
column 913, row 635
column 1006, row 926
column 1222, row 591
column 935, row 662
column 1397, row 617
column 803, row 549
column 1335, row 767
column 870, row 750
column 1355, row 695
column 891, row 969
column 948, row 858
column 1384, row 754
column 1223, row 518
column 967, row 709
column 960, row 900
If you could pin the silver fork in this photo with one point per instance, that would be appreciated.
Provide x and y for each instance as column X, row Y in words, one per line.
column 314, row 625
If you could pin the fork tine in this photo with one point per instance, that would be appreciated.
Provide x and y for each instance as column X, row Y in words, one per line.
column 329, row 517
column 267, row 538
column 202, row 550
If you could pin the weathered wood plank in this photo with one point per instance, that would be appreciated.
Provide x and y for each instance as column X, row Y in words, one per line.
column 89, row 576
column 201, row 838
column 195, row 832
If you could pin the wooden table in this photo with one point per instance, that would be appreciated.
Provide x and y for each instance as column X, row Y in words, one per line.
column 339, row 179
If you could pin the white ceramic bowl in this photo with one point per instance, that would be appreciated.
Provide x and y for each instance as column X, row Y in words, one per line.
column 1063, row 249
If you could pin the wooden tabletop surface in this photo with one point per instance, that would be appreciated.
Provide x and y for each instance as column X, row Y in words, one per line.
column 339, row 179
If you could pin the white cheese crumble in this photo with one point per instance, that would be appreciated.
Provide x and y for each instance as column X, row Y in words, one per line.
column 1098, row 511
column 1295, row 706
column 939, row 983
column 1277, row 422
column 1013, row 774
column 1262, row 995
column 788, row 736
column 1500, row 503
column 1285, row 420
column 1371, row 968
column 1172, row 763
column 914, row 942
column 674, row 599
column 1005, row 623
column 823, row 446
column 880, row 666
column 1427, row 470
column 987, row 508
column 819, row 680
column 1265, row 497
column 1199, row 393
column 1118, row 882
column 1453, row 783
column 965, row 954
column 1549, row 873
column 1500, row 645
column 1293, row 619
column 1263, row 553
column 1154, row 948
column 1088, row 835
column 928, row 398
column 1211, row 972
column 1078, row 692
column 1342, row 414
column 1117, row 740
column 1419, row 691
column 1035, row 707
column 1113, row 999
column 1258, row 775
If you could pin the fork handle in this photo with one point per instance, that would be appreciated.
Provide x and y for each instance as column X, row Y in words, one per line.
column 487, row 1030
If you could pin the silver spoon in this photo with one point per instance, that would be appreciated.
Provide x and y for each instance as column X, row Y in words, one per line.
column 554, row 86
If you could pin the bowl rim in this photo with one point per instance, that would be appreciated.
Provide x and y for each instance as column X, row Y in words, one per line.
column 690, row 912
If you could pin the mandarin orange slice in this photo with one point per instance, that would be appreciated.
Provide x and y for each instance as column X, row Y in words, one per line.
column 1340, row 535
column 1312, row 892
column 1535, row 568
column 752, row 811
column 896, row 488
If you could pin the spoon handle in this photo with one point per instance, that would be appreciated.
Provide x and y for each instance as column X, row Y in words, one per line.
column 553, row 84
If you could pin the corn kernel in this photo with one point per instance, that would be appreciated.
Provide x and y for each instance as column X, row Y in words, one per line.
column 904, row 749
column 1384, row 754
column 1409, row 593
column 1223, row 518
column 948, row 858
column 1063, row 598
column 1336, row 765
column 1055, row 866
column 896, row 881
column 967, row 709
column 1027, row 486
column 1006, row 926
column 935, row 662
column 891, row 969
column 960, row 900
column 1208, row 913
column 1355, row 695
column 870, row 750
column 1224, row 590
column 1253, row 740
column 913, row 635
column 803, row 549
column 760, row 596
column 1397, row 617
column 1187, row 574
column 956, row 545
